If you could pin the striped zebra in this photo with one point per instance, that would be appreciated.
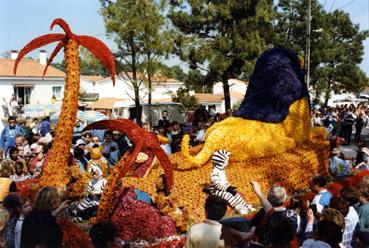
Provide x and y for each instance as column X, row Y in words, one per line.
column 220, row 186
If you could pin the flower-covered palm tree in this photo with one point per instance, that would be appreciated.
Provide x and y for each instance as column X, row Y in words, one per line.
column 55, row 172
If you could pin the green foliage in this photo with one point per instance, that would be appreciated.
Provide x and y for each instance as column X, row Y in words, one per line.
column 219, row 37
column 198, row 82
column 137, row 28
column 173, row 72
column 189, row 102
column 90, row 65
column 59, row 66
column 336, row 45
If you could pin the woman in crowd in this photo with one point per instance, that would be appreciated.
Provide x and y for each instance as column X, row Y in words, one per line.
column 40, row 228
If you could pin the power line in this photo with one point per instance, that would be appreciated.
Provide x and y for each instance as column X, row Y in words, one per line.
column 324, row 3
column 332, row 5
column 344, row 6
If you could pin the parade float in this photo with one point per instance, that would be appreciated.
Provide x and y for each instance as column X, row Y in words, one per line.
column 270, row 139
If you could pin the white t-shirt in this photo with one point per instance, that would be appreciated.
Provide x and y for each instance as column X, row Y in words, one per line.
column 18, row 232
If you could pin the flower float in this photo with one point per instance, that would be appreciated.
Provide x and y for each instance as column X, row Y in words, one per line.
column 144, row 142
column 270, row 137
column 137, row 220
column 274, row 116
column 73, row 236
column 55, row 172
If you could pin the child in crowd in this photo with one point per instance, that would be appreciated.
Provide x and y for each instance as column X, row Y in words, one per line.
column 24, row 209
column 87, row 208
column 19, row 174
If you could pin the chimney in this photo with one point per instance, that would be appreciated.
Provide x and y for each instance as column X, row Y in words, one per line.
column 13, row 54
column 43, row 57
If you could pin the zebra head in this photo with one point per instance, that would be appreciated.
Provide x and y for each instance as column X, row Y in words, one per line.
column 220, row 159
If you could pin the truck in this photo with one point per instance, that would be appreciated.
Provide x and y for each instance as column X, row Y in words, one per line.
column 176, row 112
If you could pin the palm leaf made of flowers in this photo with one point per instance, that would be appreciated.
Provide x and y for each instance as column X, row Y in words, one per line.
column 60, row 45
column 100, row 50
column 36, row 43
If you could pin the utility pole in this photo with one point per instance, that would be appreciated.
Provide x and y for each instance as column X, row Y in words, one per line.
column 307, row 45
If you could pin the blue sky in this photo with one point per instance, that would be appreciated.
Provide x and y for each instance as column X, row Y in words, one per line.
column 23, row 20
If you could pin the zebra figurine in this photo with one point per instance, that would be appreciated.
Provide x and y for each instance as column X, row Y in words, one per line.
column 220, row 186
column 87, row 208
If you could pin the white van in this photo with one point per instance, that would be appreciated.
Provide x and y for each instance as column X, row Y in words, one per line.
column 176, row 112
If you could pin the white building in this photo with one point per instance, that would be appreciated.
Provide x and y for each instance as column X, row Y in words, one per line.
column 237, row 91
column 28, row 83
column 162, row 89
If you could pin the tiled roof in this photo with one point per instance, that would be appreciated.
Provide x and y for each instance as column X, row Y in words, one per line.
column 237, row 95
column 157, row 78
column 92, row 78
column 28, row 68
column 235, row 80
column 105, row 103
column 209, row 98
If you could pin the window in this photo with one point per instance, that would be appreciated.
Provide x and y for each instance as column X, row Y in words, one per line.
column 57, row 92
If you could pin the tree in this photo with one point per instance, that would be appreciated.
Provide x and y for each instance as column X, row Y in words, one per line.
column 336, row 46
column 189, row 102
column 90, row 65
column 138, row 30
column 173, row 72
column 219, row 37
column 198, row 82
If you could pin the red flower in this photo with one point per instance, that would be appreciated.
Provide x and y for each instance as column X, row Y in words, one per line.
column 73, row 236
column 137, row 220
column 334, row 188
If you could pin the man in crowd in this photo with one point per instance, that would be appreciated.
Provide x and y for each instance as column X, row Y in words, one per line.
column 122, row 141
column 110, row 149
column 207, row 234
column 45, row 126
column 323, row 196
column 21, row 142
column 363, row 210
column 348, row 121
column 9, row 132
column 77, row 130
column 164, row 121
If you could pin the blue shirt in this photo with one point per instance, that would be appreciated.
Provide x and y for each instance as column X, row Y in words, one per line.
column 322, row 200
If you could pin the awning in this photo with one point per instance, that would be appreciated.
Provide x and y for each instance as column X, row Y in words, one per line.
column 25, row 85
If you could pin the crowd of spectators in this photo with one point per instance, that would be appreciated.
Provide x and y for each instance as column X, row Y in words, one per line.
column 289, row 221
column 282, row 221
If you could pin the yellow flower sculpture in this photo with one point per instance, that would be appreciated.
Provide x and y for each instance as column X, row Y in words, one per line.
column 271, row 139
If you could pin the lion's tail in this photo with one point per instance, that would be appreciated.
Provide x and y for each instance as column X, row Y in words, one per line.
column 201, row 158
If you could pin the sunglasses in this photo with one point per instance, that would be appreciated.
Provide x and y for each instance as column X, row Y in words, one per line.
column 12, row 122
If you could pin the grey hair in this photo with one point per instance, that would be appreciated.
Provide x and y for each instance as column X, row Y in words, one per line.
column 277, row 195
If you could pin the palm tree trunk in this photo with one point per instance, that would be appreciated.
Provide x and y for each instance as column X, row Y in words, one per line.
column 55, row 172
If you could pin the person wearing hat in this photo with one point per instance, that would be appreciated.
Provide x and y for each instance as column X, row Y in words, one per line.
column 7, row 138
column 338, row 167
column 77, row 130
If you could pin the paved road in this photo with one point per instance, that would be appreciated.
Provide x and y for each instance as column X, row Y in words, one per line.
column 351, row 149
